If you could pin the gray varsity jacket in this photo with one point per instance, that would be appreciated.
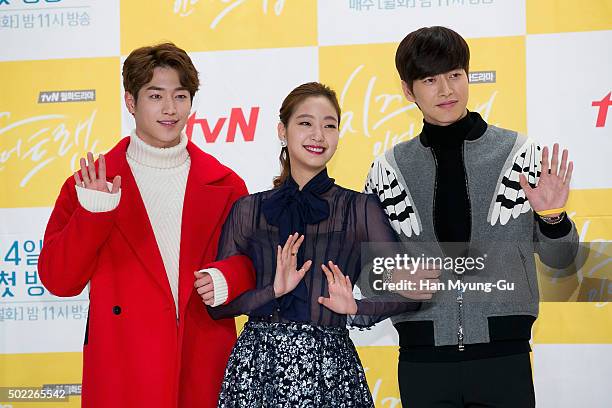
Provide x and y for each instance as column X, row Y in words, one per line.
column 502, row 223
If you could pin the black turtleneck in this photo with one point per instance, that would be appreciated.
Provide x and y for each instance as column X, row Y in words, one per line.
column 452, row 214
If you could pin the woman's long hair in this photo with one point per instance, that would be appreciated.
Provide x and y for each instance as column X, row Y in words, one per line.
column 295, row 97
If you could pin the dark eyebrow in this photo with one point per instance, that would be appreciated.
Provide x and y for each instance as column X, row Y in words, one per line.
column 157, row 88
column 306, row 115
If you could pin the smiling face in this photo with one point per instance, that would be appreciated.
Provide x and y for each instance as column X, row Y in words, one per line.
column 162, row 108
column 312, row 136
column 442, row 98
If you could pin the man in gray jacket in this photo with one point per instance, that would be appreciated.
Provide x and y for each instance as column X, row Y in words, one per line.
column 464, row 183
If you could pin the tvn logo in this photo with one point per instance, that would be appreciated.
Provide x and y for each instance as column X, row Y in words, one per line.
column 237, row 121
column 85, row 95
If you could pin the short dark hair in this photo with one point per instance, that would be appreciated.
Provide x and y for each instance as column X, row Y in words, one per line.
column 139, row 65
column 430, row 51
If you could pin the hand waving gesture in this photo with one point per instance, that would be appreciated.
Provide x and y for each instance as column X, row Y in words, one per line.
column 553, row 188
column 341, row 299
column 287, row 276
column 92, row 181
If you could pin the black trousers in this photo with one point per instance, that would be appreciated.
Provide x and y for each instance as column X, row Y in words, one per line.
column 497, row 382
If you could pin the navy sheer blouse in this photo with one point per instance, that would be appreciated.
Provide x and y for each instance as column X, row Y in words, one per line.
column 334, row 221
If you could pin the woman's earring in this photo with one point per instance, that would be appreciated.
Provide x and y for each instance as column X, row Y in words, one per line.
column 283, row 143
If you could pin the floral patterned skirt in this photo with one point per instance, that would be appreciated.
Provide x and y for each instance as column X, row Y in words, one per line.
column 294, row 365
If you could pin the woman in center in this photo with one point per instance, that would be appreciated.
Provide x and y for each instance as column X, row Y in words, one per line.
column 304, row 238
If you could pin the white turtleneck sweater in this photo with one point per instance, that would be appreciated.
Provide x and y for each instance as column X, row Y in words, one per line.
column 161, row 177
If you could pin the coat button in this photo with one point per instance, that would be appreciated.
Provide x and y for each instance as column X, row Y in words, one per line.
column 117, row 310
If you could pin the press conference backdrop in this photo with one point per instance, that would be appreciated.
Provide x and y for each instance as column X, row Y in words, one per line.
column 541, row 67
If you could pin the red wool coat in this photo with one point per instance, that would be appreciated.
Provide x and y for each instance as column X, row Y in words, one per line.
column 136, row 352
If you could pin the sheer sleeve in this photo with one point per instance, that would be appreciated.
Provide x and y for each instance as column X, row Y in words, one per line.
column 235, row 241
column 376, row 306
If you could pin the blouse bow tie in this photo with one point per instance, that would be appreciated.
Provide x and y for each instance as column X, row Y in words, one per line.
column 290, row 209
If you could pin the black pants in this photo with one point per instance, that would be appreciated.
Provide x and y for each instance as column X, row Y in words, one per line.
column 498, row 382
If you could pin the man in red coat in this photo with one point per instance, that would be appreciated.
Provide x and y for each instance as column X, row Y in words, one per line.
column 135, row 225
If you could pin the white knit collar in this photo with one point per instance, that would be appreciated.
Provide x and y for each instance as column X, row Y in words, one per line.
column 156, row 157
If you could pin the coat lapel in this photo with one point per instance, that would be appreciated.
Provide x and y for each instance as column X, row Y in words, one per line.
column 133, row 221
column 203, row 210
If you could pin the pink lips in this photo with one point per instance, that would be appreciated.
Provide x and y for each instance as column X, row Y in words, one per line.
column 314, row 149
column 447, row 104
column 167, row 123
